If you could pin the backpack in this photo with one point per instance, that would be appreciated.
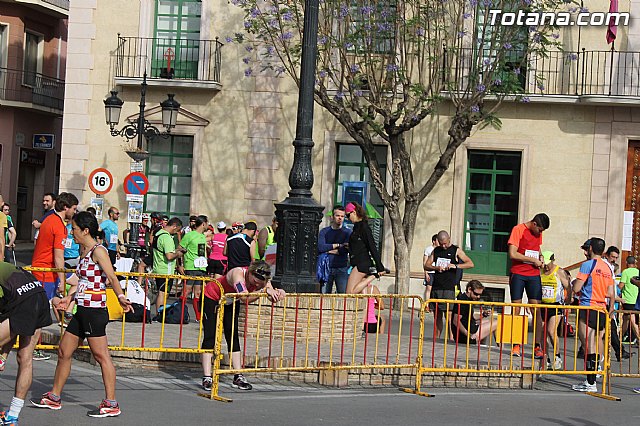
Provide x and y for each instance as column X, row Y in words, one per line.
column 138, row 314
column 172, row 315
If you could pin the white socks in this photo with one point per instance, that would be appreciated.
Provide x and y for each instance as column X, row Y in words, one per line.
column 16, row 406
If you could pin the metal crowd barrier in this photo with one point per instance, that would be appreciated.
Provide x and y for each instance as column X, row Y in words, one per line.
column 170, row 340
column 630, row 367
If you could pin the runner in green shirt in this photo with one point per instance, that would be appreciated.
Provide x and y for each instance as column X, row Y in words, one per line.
column 629, row 296
column 195, row 259
column 164, row 257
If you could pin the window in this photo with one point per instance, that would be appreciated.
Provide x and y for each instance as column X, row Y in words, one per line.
column 493, row 188
column 32, row 64
column 351, row 166
column 169, row 169
column 177, row 37
column 375, row 25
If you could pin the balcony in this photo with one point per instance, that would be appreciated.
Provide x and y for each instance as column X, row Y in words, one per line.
column 57, row 8
column 29, row 90
column 587, row 76
column 169, row 62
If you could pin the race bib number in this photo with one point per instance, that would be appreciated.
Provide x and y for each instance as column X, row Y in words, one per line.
column 200, row 262
column 68, row 243
column 82, row 286
column 113, row 239
column 443, row 262
column 548, row 294
column 532, row 253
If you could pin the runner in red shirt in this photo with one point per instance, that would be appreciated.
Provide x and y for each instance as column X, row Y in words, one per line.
column 526, row 261
column 49, row 249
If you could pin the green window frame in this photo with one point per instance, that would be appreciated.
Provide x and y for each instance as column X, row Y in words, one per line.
column 351, row 166
column 491, row 208
column 169, row 170
column 177, row 27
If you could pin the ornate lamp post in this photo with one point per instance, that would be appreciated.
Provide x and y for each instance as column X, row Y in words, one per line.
column 141, row 128
column 113, row 107
column 299, row 215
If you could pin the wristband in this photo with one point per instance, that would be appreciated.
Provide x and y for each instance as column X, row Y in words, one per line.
column 122, row 295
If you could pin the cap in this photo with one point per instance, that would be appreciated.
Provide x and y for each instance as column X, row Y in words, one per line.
column 350, row 208
column 586, row 245
column 156, row 215
column 145, row 216
column 237, row 225
column 548, row 256
column 221, row 225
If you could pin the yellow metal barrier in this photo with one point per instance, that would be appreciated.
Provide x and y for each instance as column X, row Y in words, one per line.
column 313, row 332
column 458, row 352
column 174, row 341
column 630, row 367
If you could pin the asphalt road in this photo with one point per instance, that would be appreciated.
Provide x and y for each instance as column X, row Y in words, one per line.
column 160, row 398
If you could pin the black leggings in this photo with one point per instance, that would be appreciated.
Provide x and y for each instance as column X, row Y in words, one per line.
column 210, row 316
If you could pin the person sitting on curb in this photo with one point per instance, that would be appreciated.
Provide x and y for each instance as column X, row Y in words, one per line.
column 466, row 326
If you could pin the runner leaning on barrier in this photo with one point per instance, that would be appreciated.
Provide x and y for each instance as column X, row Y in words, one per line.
column 524, row 251
column 255, row 277
column 595, row 284
column 91, row 318
column 24, row 310
column 555, row 283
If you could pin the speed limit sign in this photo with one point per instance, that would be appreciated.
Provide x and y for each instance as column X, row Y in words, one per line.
column 100, row 181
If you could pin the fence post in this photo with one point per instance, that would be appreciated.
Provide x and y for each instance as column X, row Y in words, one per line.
column 217, row 352
column 417, row 391
column 606, row 374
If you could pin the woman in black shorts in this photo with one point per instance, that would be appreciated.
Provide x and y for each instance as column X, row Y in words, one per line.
column 362, row 248
column 91, row 318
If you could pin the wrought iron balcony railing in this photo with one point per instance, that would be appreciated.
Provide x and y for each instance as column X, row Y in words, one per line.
column 583, row 73
column 29, row 87
column 168, row 58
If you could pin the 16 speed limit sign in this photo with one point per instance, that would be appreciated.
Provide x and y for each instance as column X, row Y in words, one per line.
column 100, row 181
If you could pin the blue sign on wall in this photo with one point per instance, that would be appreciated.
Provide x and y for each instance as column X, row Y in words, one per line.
column 43, row 141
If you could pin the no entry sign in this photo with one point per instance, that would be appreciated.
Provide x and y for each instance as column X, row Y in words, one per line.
column 136, row 183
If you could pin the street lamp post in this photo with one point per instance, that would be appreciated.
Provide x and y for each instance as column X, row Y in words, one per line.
column 299, row 215
column 141, row 128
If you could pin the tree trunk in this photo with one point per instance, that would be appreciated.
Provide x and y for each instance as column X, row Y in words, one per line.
column 401, row 254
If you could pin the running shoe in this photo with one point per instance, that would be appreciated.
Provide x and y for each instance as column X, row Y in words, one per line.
column 516, row 350
column 636, row 390
column 557, row 363
column 207, row 382
column 537, row 353
column 40, row 356
column 105, row 410
column 585, row 387
column 47, row 401
column 239, row 382
column 3, row 361
column 7, row 420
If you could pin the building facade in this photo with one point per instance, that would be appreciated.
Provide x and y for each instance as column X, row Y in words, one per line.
column 573, row 151
column 33, row 38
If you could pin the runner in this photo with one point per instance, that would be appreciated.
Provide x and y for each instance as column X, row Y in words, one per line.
column 24, row 310
column 217, row 264
column 255, row 277
column 195, row 259
column 91, row 319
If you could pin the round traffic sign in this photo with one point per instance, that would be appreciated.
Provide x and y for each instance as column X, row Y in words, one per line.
column 100, row 181
column 136, row 183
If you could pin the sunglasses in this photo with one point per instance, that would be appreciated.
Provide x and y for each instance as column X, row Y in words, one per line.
column 262, row 274
column 477, row 294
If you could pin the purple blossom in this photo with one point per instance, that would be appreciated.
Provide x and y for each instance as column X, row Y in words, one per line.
column 228, row 39
column 270, row 50
column 246, row 60
column 473, row 3
column 366, row 10
column 384, row 26
column 322, row 74
column 555, row 36
column 344, row 11
column 481, row 88
column 339, row 96
column 348, row 45
column 392, row 67
column 322, row 40
column 527, row 2
column 420, row 31
column 507, row 45
column 516, row 71
column 573, row 57
column 358, row 93
column 466, row 15
column 249, row 48
column 487, row 61
column 287, row 16
column 254, row 13
column 541, row 86
column 526, row 99
column 286, row 36
column 537, row 37
column 273, row 23
column 573, row 9
column 355, row 68
column 487, row 3
column 414, row 118
column 247, row 24
column 584, row 10
column 461, row 34
column 248, row 72
column 497, row 82
column 475, row 108
column 280, row 70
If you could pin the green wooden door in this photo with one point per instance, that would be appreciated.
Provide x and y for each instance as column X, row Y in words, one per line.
column 493, row 184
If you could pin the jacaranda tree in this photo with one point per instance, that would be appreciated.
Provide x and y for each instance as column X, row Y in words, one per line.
column 384, row 66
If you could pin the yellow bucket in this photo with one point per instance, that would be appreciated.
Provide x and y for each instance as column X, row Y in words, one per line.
column 115, row 310
column 512, row 329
